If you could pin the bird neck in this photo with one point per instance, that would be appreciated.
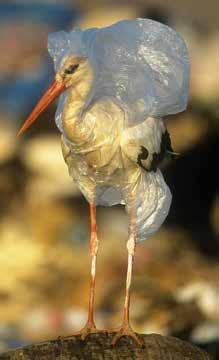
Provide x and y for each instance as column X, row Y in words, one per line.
column 78, row 92
column 76, row 99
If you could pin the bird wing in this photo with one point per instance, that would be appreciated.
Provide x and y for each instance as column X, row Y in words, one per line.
column 147, row 196
column 147, row 143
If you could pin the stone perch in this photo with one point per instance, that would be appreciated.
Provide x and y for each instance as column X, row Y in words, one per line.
column 98, row 346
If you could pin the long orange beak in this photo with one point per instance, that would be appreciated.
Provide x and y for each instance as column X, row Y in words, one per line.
column 55, row 89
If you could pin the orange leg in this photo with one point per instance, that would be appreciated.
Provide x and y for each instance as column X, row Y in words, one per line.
column 126, row 328
column 90, row 326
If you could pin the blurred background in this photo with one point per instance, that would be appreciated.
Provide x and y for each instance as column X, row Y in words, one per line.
column 44, row 220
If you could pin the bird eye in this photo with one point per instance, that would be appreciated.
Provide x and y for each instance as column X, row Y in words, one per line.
column 71, row 69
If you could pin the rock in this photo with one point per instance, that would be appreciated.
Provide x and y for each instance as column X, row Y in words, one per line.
column 98, row 346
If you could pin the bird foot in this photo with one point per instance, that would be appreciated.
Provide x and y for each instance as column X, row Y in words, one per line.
column 89, row 328
column 126, row 330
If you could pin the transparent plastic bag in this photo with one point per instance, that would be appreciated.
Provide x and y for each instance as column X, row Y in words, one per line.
column 142, row 64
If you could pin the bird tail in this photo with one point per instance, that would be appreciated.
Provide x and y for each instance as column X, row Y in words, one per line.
column 150, row 197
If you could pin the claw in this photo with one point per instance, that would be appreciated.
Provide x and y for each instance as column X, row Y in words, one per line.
column 89, row 328
column 126, row 330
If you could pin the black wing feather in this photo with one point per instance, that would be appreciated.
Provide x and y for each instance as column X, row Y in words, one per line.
column 157, row 158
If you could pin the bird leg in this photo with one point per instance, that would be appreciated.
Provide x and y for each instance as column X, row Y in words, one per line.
column 126, row 328
column 90, row 326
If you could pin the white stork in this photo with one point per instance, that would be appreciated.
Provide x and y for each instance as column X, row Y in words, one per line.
column 116, row 84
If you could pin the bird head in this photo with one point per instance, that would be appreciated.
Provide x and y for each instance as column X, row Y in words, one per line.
column 71, row 72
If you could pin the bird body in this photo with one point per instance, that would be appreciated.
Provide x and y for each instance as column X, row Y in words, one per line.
column 116, row 84
column 103, row 155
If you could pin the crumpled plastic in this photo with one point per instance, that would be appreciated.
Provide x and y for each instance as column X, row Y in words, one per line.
column 142, row 64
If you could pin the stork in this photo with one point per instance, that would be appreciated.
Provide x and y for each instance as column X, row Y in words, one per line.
column 116, row 84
